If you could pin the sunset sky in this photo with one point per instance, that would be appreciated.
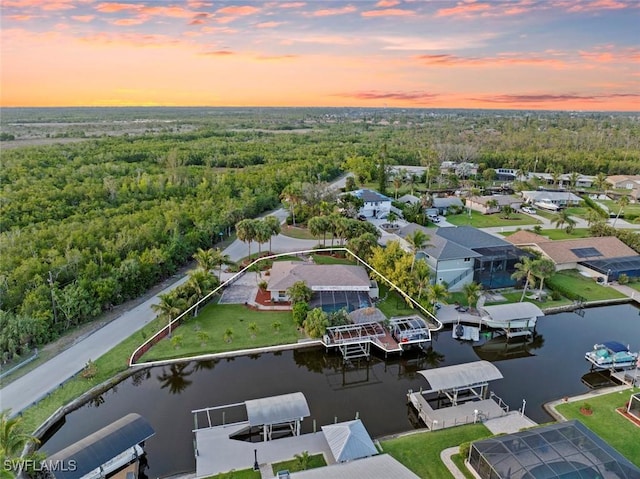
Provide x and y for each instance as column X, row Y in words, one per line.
column 532, row 54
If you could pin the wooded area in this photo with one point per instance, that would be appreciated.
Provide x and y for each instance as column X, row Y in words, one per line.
column 89, row 224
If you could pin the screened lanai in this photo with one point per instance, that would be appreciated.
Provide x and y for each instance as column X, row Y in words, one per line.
column 567, row 450
column 614, row 267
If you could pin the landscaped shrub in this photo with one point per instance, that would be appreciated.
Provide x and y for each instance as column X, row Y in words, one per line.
column 299, row 312
column 465, row 447
column 623, row 279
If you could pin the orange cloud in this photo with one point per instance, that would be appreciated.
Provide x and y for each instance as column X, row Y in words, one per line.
column 574, row 6
column 21, row 18
column 131, row 39
column 275, row 57
column 389, row 12
column 463, row 9
column 125, row 22
column 327, row 12
column 553, row 98
column 83, row 18
column 418, row 97
column 238, row 10
column 116, row 7
column 268, row 24
column 610, row 55
column 503, row 59
column 387, row 3
column 217, row 53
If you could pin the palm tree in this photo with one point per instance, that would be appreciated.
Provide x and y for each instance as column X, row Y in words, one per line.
column 417, row 241
column 302, row 460
column 292, row 194
column 246, row 232
column 397, row 183
column 622, row 203
column 524, row 270
column 319, row 225
column 593, row 217
column 561, row 218
column 422, row 276
column 573, row 179
column 437, row 292
column 544, row 269
column 472, row 292
column 274, row 225
column 170, row 307
column 205, row 259
column 220, row 259
column 263, row 233
column 341, row 228
column 491, row 204
column 392, row 217
column 12, row 441
column 199, row 282
column 600, row 182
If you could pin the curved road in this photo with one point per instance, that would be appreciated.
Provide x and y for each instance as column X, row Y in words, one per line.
column 33, row 386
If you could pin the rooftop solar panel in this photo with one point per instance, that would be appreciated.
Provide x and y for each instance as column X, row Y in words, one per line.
column 586, row 252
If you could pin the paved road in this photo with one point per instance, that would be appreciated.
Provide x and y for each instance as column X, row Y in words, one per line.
column 31, row 387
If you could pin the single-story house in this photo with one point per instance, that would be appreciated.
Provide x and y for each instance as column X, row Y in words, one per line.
column 564, row 180
column 588, row 255
column 463, row 254
column 409, row 199
column 561, row 199
column 626, row 182
column 338, row 284
column 484, row 204
column 375, row 205
column 462, row 169
column 444, row 204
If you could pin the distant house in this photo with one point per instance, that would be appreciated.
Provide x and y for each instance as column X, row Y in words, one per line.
column 443, row 205
column 588, row 255
column 482, row 203
column 564, row 180
column 560, row 199
column 331, row 279
column 506, row 174
column 626, row 182
column 409, row 199
column 376, row 205
column 462, row 169
column 461, row 255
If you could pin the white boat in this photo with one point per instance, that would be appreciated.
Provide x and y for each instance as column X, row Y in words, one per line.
column 611, row 355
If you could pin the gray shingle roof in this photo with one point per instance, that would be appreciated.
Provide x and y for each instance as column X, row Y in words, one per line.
column 447, row 202
column 370, row 196
column 470, row 237
column 319, row 277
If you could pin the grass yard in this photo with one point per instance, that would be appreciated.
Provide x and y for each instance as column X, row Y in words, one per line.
column 479, row 220
column 573, row 282
column 580, row 211
column 302, row 233
column 458, row 460
column 619, row 432
column 107, row 366
column 421, row 452
column 205, row 334
column 324, row 259
column 630, row 209
column 394, row 304
column 243, row 474
column 561, row 234
column 293, row 465
column 515, row 296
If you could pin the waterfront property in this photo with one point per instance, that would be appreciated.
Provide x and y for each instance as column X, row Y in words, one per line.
column 458, row 256
column 114, row 452
column 335, row 285
column 567, row 449
column 515, row 319
column 460, row 394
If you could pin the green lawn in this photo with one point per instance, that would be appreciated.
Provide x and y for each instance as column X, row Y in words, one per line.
column 479, row 220
column 302, row 233
column 394, row 304
column 515, row 296
column 294, row 466
column 324, row 259
column 214, row 320
column 631, row 209
column 580, row 211
column 243, row 474
column 575, row 283
column 561, row 234
column 635, row 285
column 619, row 432
column 458, row 460
column 421, row 452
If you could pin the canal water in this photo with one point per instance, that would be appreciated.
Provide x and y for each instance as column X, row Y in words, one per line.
column 550, row 367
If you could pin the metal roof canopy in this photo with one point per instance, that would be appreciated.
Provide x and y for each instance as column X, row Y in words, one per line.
column 513, row 311
column 461, row 375
column 98, row 448
column 349, row 440
column 277, row 409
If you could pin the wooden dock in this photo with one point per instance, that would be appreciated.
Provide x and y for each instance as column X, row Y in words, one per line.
column 456, row 415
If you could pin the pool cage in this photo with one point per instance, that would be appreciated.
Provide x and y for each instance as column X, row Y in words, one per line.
column 567, row 450
column 633, row 407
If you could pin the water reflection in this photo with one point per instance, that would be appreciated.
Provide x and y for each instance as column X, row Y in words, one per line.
column 501, row 348
column 175, row 379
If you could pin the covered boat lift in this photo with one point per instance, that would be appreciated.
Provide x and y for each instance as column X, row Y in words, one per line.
column 514, row 319
column 104, row 451
column 466, row 386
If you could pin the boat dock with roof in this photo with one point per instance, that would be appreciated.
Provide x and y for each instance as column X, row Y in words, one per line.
column 465, row 389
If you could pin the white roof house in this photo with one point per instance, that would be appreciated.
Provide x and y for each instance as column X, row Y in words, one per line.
column 349, row 440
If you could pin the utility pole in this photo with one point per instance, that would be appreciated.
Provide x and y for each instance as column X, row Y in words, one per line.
column 53, row 301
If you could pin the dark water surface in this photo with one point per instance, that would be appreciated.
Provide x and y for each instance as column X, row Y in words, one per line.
column 549, row 368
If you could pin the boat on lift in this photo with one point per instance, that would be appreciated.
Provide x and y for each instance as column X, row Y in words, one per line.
column 611, row 355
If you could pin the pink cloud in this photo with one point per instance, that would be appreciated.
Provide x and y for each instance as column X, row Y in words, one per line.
column 41, row 4
column 131, row 39
column 575, row 6
column 418, row 97
column 553, row 98
column 275, row 57
column 116, row 7
column 83, row 18
column 238, row 10
column 268, row 24
column 389, row 12
column 217, row 53
column 328, row 12
column 291, row 4
column 446, row 60
column 125, row 22
column 387, row 3
column 463, row 9
column 20, row 18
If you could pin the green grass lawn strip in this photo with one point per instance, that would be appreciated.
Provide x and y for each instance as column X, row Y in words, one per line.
column 560, row 234
column 214, row 320
column 317, row 460
column 585, row 287
column 421, row 452
column 479, row 220
column 607, row 423
column 242, row 474
column 324, row 259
